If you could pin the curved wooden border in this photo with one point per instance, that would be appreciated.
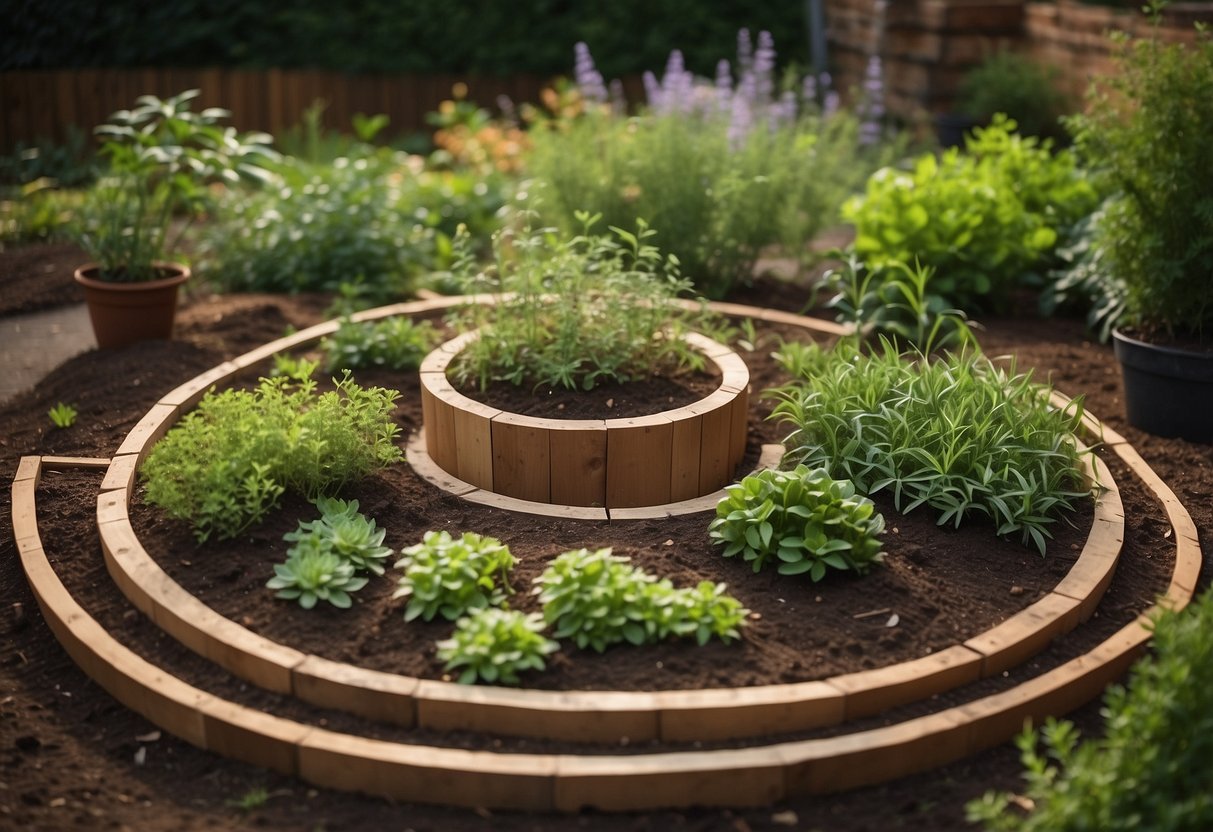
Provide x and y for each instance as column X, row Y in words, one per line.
column 666, row 457
column 746, row 777
column 726, row 713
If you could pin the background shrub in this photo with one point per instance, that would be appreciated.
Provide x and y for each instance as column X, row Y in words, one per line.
column 984, row 218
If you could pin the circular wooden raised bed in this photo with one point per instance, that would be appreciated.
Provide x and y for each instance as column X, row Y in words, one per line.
column 613, row 463
column 726, row 776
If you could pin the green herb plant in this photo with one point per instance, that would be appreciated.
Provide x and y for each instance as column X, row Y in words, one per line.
column 314, row 572
column 396, row 343
column 495, row 645
column 1152, row 768
column 985, row 219
column 598, row 599
column 450, row 576
column 62, row 415
column 226, row 464
column 1006, row 82
column 958, row 434
column 803, row 519
column 575, row 311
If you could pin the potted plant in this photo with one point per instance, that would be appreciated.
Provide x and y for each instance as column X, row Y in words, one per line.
column 1147, row 134
column 161, row 157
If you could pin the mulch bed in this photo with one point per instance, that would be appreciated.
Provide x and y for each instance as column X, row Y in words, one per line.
column 68, row 752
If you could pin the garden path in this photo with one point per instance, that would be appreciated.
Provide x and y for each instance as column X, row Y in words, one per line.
column 32, row 345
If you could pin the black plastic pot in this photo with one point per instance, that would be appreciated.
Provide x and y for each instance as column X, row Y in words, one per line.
column 1168, row 391
column 950, row 128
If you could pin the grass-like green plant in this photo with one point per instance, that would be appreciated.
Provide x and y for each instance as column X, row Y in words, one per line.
column 495, row 645
column 351, row 535
column 895, row 301
column 62, row 415
column 1146, row 137
column 449, row 576
column 1153, row 766
column 598, row 599
column 396, row 343
column 958, row 434
column 984, row 219
column 227, row 463
column 804, row 519
column 313, row 572
column 578, row 311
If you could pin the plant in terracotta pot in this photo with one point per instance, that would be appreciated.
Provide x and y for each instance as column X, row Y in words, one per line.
column 161, row 159
column 1147, row 132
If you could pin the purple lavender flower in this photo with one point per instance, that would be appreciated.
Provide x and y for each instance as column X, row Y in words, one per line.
column 872, row 106
column 724, row 86
column 676, row 85
column 741, row 120
column 588, row 78
column 764, row 67
column 745, row 51
column 652, row 90
column 783, row 111
column 809, row 90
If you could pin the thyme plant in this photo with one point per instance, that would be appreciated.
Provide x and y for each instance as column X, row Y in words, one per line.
column 227, row 463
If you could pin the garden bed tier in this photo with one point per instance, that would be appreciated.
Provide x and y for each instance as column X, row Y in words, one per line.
column 646, row 460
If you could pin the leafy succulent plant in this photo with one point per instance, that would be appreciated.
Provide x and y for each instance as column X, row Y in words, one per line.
column 313, row 572
column 350, row 535
column 495, row 645
column 451, row 576
column 808, row 521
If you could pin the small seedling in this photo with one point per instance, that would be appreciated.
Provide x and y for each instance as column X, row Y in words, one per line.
column 452, row 576
column 62, row 415
column 312, row 573
column 254, row 798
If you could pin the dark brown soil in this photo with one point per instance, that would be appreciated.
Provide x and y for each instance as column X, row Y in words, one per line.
column 68, row 752
column 39, row 277
column 613, row 400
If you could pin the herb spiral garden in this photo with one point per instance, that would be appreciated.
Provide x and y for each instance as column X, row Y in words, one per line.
column 266, row 546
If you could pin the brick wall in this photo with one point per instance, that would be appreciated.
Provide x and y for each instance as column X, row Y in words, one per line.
column 927, row 46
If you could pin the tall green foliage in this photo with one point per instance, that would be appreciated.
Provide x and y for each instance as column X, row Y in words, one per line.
column 1146, row 131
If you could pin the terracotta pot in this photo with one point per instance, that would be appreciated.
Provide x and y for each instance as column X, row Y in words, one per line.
column 123, row 313
column 1168, row 391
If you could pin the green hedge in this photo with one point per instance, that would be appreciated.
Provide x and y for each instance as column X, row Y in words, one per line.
column 473, row 36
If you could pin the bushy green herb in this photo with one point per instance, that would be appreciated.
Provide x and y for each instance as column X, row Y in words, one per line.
column 315, row 572
column 958, row 434
column 581, row 310
column 1153, row 767
column 599, row 599
column 396, row 343
column 495, row 645
column 449, row 576
column 62, row 415
column 350, row 535
column 327, row 224
column 808, row 521
column 1145, row 133
column 983, row 219
column 227, row 463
